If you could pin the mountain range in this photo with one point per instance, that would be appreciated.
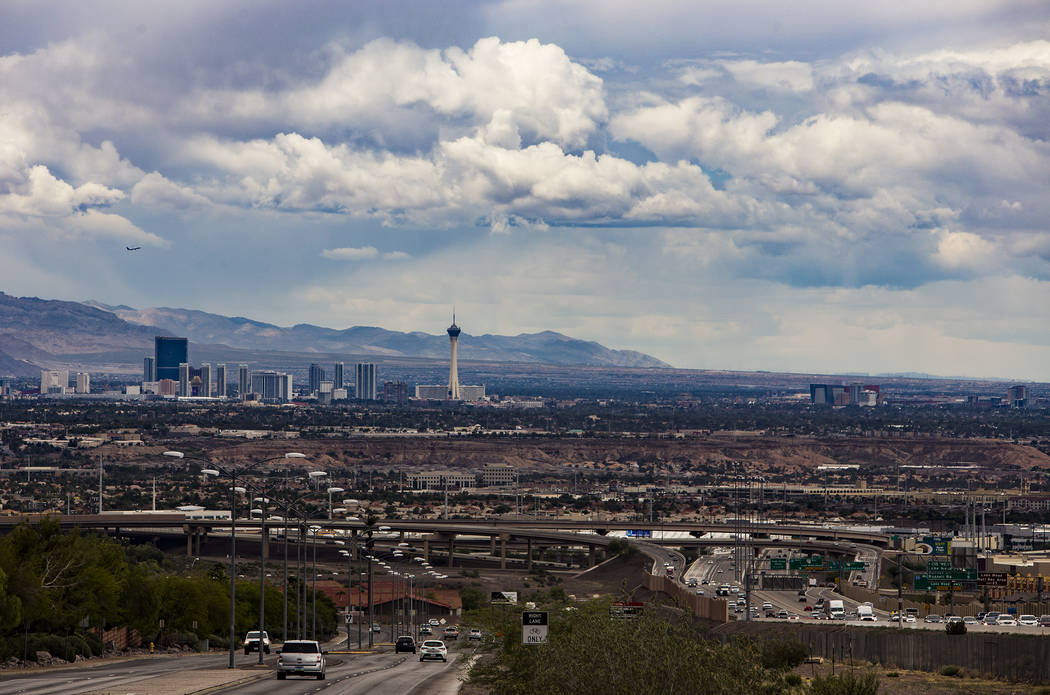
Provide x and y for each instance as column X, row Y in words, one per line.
column 37, row 333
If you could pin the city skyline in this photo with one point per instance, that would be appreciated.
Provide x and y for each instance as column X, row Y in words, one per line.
column 798, row 189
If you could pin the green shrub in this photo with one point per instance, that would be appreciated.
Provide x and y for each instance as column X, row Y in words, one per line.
column 957, row 627
column 845, row 684
column 951, row 671
column 783, row 654
column 893, row 674
column 793, row 680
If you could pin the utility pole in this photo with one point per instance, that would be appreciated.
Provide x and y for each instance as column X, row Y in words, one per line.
column 100, row 483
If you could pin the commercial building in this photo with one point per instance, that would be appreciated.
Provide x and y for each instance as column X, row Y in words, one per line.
column 315, row 378
column 395, row 392
column 440, row 480
column 497, row 474
column 83, row 382
column 365, row 384
column 836, row 394
column 184, row 379
column 337, row 378
column 1017, row 396
column 54, row 380
column 324, row 392
column 244, row 386
column 220, row 380
column 169, row 353
column 206, row 385
column 149, row 369
column 271, row 387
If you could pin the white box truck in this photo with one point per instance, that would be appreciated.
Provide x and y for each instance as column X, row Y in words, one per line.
column 835, row 609
column 865, row 613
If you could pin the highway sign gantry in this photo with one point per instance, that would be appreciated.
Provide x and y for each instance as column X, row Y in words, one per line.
column 534, row 627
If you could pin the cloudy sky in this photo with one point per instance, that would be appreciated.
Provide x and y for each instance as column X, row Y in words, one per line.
column 733, row 184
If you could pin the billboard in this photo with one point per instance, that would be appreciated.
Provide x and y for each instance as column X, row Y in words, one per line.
column 504, row 597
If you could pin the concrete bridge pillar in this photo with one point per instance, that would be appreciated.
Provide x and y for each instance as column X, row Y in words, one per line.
column 492, row 545
column 503, row 551
column 190, row 533
column 451, row 549
column 264, row 539
column 528, row 557
column 590, row 557
column 426, row 550
column 353, row 544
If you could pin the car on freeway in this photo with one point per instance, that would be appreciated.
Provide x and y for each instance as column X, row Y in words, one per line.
column 251, row 642
column 1028, row 620
column 704, row 581
column 793, row 617
column 933, row 618
column 405, row 643
column 475, row 634
column 802, row 599
column 691, row 581
column 451, row 632
column 767, row 606
column 376, row 627
column 433, row 649
column 954, row 619
column 910, row 619
column 433, row 622
column 782, row 614
column 301, row 658
column 699, row 592
column 1007, row 621
column 991, row 618
column 808, row 608
column 1044, row 621
column 970, row 620
column 425, row 630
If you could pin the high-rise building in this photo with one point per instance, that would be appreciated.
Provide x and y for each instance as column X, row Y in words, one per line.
column 324, row 392
column 272, row 387
column 83, row 382
column 1017, row 396
column 54, row 380
column 184, row 379
column 365, row 383
column 206, row 385
column 337, row 380
column 169, row 353
column 316, row 377
column 453, row 366
column 244, row 386
column 220, row 381
column 149, row 369
column 168, row 387
column 395, row 392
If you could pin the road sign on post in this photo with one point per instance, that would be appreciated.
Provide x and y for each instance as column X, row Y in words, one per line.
column 534, row 627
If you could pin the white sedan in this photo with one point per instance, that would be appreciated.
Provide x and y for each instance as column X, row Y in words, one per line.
column 433, row 649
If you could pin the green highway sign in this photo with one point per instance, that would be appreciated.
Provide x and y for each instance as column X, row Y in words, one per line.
column 923, row 583
column 778, row 563
column 817, row 564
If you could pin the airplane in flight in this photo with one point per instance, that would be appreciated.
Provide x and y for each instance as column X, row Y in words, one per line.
column 132, row 248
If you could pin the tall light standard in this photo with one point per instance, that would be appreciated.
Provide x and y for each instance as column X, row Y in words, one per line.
column 332, row 491
column 233, row 556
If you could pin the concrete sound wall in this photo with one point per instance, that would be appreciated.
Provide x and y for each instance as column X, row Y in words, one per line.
column 1015, row 657
column 701, row 606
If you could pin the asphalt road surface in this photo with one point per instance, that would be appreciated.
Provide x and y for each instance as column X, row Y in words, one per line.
column 373, row 674
column 379, row 673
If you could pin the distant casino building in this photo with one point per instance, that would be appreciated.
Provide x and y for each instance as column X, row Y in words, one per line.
column 169, row 353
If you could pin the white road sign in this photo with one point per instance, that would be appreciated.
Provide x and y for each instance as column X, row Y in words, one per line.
column 534, row 627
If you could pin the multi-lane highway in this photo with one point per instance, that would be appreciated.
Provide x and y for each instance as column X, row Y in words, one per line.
column 378, row 672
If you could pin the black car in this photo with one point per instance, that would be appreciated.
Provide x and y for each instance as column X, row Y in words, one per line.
column 405, row 644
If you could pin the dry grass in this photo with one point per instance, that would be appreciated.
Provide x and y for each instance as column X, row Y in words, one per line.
column 911, row 682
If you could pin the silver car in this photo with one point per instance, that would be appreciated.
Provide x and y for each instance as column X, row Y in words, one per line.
column 301, row 658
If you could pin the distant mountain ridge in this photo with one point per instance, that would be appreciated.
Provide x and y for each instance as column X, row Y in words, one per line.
column 38, row 333
column 547, row 347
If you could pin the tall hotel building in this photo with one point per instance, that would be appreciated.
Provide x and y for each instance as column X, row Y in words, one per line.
column 366, row 382
column 169, row 353
column 220, row 381
column 244, row 386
